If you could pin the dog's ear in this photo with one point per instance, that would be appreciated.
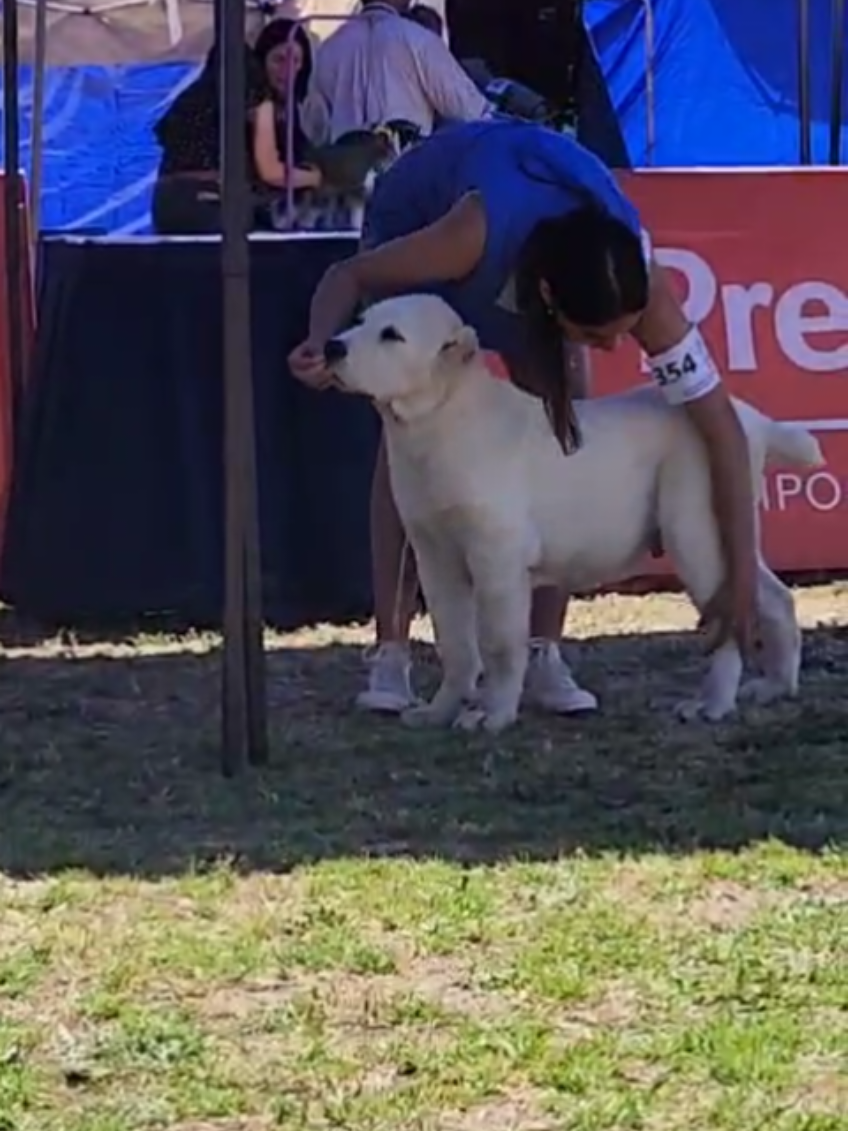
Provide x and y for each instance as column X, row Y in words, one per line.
column 460, row 349
column 456, row 353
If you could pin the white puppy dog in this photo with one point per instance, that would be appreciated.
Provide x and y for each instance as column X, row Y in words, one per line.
column 492, row 506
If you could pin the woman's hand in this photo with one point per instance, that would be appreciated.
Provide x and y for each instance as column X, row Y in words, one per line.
column 308, row 365
column 731, row 614
column 307, row 177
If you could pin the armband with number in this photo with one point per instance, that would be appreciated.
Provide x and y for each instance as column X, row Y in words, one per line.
column 686, row 372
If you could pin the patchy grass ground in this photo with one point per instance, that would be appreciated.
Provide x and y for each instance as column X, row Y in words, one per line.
column 616, row 924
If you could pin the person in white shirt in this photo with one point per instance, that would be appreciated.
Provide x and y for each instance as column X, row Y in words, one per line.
column 381, row 67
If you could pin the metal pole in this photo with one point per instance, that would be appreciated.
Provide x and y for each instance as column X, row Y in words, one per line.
column 12, row 199
column 650, row 85
column 291, row 113
column 804, row 115
column 36, row 157
column 837, row 66
column 244, row 723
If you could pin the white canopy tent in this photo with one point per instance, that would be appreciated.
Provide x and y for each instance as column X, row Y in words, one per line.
column 113, row 32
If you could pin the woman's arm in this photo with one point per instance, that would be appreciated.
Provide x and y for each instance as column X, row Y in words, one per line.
column 269, row 166
column 692, row 381
column 447, row 250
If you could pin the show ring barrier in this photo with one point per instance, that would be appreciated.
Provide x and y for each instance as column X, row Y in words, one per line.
column 135, row 530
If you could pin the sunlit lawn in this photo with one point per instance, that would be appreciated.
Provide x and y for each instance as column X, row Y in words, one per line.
column 620, row 923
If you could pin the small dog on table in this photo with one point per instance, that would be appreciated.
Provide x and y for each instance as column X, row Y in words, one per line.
column 349, row 168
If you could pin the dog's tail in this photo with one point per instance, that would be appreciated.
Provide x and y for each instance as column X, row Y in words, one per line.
column 793, row 444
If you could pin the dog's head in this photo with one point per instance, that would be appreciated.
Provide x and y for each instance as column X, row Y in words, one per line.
column 405, row 354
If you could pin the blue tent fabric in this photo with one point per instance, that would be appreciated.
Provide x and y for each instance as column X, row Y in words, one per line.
column 726, row 79
column 100, row 153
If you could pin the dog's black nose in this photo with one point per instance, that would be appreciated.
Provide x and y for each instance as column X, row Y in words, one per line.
column 334, row 351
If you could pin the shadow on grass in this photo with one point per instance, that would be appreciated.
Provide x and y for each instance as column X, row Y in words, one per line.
column 110, row 763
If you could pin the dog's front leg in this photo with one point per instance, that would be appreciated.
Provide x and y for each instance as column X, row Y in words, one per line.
column 719, row 689
column 502, row 594
column 780, row 637
column 450, row 602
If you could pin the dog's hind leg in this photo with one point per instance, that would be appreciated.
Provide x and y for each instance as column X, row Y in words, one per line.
column 780, row 639
column 691, row 538
column 450, row 601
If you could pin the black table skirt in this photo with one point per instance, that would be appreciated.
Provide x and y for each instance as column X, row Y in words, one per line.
column 117, row 500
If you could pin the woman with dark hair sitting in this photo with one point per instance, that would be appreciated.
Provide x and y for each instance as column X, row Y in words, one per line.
column 187, row 196
column 284, row 55
column 528, row 236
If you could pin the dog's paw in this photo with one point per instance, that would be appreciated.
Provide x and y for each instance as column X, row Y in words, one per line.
column 762, row 690
column 695, row 710
column 425, row 716
column 470, row 719
column 476, row 718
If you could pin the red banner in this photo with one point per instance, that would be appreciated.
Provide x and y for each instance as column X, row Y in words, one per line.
column 761, row 268
column 28, row 316
column 759, row 261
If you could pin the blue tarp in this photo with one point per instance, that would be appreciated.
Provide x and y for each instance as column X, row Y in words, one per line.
column 726, row 78
column 100, row 155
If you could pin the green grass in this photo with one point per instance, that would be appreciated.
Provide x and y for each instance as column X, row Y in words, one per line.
column 615, row 924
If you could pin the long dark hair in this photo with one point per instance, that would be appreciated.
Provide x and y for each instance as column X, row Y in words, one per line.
column 274, row 34
column 596, row 271
column 200, row 98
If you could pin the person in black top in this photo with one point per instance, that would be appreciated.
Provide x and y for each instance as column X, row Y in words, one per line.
column 186, row 197
column 284, row 53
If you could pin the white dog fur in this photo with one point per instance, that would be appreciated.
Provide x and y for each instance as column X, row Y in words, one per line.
column 492, row 507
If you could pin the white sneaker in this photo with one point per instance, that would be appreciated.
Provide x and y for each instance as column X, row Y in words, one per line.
column 389, row 688
column 549, row 684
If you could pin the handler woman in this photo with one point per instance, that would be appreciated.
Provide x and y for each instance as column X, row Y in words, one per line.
column 528, row 236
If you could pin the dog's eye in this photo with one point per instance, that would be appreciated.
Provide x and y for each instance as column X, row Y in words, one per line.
column 391, row 334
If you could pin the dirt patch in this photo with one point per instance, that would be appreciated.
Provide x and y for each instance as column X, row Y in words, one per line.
column 448, row 984
column 728, row 906
column 518, row 1113
column 425, row 990
column 833, row 892
column 824, row 1092
column 444, row 984
column 225, row 1125
column 620, row 1006
column 244, row 1001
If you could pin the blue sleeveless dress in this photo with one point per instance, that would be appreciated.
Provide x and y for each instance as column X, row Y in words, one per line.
column 523, row 173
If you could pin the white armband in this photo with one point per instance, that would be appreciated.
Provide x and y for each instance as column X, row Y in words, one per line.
column 686, row 372
column 647, row 246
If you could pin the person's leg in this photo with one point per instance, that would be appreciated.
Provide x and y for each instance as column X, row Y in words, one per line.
column 166, row 207
column 183, row 206
column 395, row 593
column 395, row 583
column 549, row 684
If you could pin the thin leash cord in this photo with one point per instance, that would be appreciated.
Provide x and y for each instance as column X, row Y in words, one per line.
column 399, row 585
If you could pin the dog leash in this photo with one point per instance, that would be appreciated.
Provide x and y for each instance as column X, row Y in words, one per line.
column 404, row 561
